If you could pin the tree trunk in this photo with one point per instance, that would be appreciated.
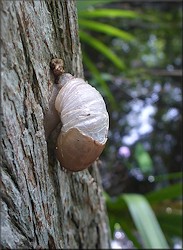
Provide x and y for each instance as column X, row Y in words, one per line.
column 43, row 206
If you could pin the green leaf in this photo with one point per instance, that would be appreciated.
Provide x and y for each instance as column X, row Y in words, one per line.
column 107, row 29
column 129, row 232
column 173, row 191
column 112, row 13
column 143, row 159
column 102, row 48
column 146, row 222
column 171, row 223
column 83, row 4
column 96, row 74
column 169, row 176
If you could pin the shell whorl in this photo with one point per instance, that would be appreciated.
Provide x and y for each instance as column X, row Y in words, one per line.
column 81, row 106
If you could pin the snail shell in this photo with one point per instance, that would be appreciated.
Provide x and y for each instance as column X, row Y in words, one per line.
column 85, row 123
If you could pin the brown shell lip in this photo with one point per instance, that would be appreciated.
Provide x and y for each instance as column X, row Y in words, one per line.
column 76, row 151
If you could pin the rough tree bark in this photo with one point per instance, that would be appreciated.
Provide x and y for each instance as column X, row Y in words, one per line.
column 42, row 206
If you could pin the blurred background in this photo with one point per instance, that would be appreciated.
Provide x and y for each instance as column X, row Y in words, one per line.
column 132, row 53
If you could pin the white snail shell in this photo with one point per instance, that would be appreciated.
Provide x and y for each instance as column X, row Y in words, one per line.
column 85, row 123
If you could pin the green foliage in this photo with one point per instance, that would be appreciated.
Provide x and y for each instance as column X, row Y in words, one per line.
column 154, row 216
column 145, row 221
column 106, row 29
column 86, row 25
column 109, row 13
column 102, row 48
column 85, row 4
column 128, row 65
column 170, row 192
column 143, row 158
